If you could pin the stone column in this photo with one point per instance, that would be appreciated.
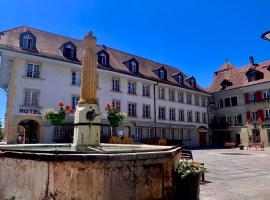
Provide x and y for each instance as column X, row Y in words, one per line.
column 86, row 134
column 89, row 71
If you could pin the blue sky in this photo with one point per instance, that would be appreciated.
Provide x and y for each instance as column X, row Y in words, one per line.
column 196, row 36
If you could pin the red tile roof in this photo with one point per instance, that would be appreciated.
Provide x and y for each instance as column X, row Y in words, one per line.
column 48, row 45
column 237, row 76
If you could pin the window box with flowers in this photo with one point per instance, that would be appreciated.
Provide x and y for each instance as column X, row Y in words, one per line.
column 114, row 116
column 57, row 117
column 187, row 180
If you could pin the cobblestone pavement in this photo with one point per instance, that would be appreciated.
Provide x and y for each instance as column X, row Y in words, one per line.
column 235, row 174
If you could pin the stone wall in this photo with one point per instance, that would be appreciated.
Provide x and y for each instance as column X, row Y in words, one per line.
column 150, row 178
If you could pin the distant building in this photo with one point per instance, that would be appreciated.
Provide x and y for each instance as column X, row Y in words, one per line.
column 241, row 110
column 40, row 69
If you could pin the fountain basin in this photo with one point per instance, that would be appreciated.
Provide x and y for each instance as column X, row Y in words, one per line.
column 109, row 172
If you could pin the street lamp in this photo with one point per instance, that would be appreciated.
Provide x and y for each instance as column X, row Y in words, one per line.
column 266, row 36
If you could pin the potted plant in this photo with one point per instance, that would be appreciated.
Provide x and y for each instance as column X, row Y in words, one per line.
column 114, row 116
column 187, row 180
column 57, row 117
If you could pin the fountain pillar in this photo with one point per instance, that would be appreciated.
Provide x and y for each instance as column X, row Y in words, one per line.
column 85, row 134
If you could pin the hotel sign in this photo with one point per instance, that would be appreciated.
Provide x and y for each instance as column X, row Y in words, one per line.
column 30, row 111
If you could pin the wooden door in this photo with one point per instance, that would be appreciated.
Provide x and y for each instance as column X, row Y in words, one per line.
column 202, row 137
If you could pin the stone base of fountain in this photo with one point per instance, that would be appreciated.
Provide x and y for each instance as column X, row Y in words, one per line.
column 116, row 172
column 86, row 135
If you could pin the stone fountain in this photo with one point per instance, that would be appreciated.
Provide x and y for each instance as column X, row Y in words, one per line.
column 87, row 169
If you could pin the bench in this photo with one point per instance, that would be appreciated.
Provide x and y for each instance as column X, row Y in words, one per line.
column 230, row 144
column 255, row 145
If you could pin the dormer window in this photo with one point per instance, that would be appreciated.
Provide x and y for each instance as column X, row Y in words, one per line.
column 28, row 41
column 192, row 82
column 225, row 84
column 254, row 75
column 69, row 51
column 180, row 79
column 103, row 58
column 132, row 65
column 161, row 74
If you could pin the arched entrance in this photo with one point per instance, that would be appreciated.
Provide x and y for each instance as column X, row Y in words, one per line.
column 202, row 131
column 28, row 132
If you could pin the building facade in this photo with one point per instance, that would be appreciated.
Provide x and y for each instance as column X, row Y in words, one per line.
column 40, row 69
column 241, row 104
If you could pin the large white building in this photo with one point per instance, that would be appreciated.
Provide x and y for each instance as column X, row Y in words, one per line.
column 40, row 69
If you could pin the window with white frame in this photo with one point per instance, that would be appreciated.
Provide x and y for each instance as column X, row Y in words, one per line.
column 33, row 71
column 187, row 135
column 146, row 111
column 180, row 79
column 203, row 101
column 138, row 133
column 132, row 111
column 117, row 104
column 161, row 74
column 31, row 98
column 252, row 97
column 189, row 116
column 266, row 94
column 197, row 100
column 171, row 136
column 131, row 87
column 74, row 101
column 162, row 132
column 162, row 113
column 133, row 66
column 204, row 118
column 254, row 115
column 197, row 116
column 180, row 134
column 150, row 132
column 189, row 98
column 146, row 90
column 267, row 114
column 171, row 95
column 180, row 97
column 76, row 78
column 229, row 119
column 116, row 85
column 161, row 93
column 181, row 116
column 103, row 59
column 172, row 114
column 28, row 42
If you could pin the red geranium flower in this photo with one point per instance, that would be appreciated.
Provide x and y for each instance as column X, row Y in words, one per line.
column 67, row 107
column 61, row 104
column 71, row 111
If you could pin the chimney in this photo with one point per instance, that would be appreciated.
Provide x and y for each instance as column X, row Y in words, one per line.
column 251, row 60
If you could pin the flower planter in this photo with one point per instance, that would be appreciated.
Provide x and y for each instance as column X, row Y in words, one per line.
column 187, row 188
column 57, row 118
column 114, row 121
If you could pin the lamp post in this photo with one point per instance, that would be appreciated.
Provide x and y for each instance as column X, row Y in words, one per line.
column 266, row 36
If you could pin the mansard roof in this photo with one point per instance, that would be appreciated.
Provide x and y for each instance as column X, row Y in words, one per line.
column 48, row 46
column 238, row 76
